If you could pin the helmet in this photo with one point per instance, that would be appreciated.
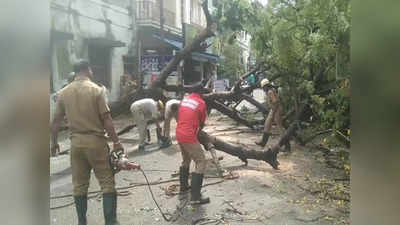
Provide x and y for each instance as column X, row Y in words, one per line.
column 264, row 82
column 160, row 104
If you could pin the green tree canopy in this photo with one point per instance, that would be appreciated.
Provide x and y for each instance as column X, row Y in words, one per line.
column 304, row 42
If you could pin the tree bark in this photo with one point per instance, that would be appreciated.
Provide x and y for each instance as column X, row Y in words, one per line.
column 229, row 112
column 209, row 31
column 243, row 154
column 290, row 131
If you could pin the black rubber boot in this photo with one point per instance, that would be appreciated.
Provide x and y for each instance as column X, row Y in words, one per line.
column 81, row 209
column 110, row 208
column 196, row 198
column 183, row 179
column 264, row 139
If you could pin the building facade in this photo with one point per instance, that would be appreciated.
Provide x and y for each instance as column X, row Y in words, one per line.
column 162, row 26
column 99, row 31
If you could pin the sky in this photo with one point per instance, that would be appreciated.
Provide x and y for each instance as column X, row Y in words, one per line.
column 264, row 2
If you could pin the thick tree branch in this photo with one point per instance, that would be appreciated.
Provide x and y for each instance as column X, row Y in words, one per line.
column 242, row 153
column 230, row 113
column 290, row 131
column 209, row 31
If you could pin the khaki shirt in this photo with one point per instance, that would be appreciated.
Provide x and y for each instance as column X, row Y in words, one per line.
column 83, row 102
column 147, row 106
column 272, row 99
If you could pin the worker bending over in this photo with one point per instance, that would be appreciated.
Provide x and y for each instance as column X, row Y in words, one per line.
column 143, row 111
column 171, row 111
column 191, row 119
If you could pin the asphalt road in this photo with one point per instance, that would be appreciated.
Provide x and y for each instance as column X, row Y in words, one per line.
column 260, row 194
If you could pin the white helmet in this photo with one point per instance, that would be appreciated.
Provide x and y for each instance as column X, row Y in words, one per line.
column 264, row 82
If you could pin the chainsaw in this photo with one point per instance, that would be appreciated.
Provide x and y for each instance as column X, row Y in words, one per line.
column 119, row 161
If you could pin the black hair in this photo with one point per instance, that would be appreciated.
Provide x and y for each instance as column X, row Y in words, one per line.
column 175, row 107
column 81, row 66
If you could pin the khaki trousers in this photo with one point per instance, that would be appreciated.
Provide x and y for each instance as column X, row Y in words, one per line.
column 193, row 152
column 141, row 124
column 274, row 115
column 90, row 152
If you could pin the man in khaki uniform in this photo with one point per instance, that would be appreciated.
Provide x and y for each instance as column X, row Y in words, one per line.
column 275, row 112
column 143, row 111
column 83, row 103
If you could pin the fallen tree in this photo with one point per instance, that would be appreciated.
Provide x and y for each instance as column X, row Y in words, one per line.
column 216, row 101
column 243, row 154
column 291, row 131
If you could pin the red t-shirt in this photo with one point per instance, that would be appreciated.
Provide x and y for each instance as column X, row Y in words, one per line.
column 192, row 112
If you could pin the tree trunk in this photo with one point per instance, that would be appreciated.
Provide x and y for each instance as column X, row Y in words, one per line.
column 290, row 131
column 243, row 154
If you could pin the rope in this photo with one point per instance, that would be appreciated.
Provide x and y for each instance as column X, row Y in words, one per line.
column 135, row 185
column 118, row 188
column 164, row 215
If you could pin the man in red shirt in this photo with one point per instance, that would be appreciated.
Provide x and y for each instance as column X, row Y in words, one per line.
column 191, row 118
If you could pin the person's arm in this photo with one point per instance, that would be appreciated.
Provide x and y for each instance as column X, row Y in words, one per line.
column 203, row 115
column 155, row 114
column 157, row 124
column 55, row 127
column 107, row 120
column 109, row 127
column 273, row 100
column 167, row 121
column 201, row 126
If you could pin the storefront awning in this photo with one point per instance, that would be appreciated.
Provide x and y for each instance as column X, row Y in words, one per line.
column 202, row 57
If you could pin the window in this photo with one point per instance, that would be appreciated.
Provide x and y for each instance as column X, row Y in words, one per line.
column 196, row 13
column 192, row 72
column 99, row 58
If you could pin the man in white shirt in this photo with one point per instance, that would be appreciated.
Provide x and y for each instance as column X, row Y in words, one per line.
column 143, row 111
column 171, row 111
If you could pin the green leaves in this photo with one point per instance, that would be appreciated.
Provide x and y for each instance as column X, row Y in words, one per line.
column 305, row 41
column 309, row 41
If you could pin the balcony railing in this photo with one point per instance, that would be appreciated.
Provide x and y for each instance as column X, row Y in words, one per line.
column 148, row 11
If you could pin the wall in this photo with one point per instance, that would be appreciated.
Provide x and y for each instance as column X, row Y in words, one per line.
column 91, row 19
